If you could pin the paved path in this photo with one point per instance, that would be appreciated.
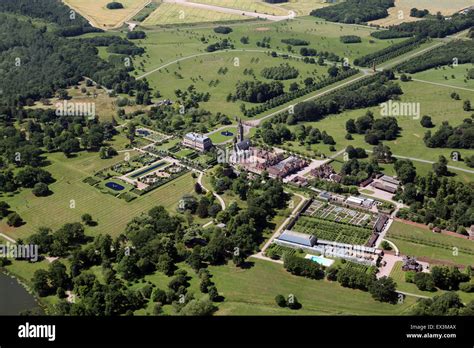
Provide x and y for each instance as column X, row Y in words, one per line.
column 280, row 229
column 234, row 11
column 384, row 271
column 429, row 162
column 219, row 198
column 11, row 240
column 313, row 165
column 443, row 85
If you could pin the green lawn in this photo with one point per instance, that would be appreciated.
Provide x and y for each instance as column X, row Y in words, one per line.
column 416, row 241
column 218, row 138
column 448, row 75
column 252, row 292
column 399, row 276
column 111, row 213
column 434, row 101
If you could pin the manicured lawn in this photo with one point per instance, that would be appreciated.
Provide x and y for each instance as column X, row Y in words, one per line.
column 448, row 75
column 398, row 276
column 219, row 138
column 252, row 292
column 111, row 213
column 167, row 45
column 415, row 241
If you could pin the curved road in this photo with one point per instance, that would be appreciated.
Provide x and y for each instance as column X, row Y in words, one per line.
column 219, row 198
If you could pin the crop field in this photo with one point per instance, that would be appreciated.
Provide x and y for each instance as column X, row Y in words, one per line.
column 415, row 241
column 332, row 231
column 112, row 214
column 336, row 213
column 247, row 5
column 303, row 7
column 100, row 16
column 445, row 7
column 168, row 13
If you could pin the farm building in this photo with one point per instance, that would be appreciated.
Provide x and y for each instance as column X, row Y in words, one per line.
column 197, row 141
column 325, row 195
column 286, row 167
column 381, row 222
column 354, row 201
column 385, row 187
column 297, row 238
column 410, row 264
column 390, row 180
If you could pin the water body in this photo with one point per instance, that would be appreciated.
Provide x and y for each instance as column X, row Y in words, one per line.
column 13, row 297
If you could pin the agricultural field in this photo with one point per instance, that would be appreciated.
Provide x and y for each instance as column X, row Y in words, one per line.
column 101, row 17
column 302, row 7
column 169, row 13
column 332, row 231
column 398, row 276
column 401, row 12
column 337, row 213
column 419, row 242
column 112, row 214
column 247, row 5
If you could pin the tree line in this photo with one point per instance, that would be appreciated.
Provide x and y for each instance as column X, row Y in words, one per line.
column 355, row 11
column 437, row 26
column 68, row 22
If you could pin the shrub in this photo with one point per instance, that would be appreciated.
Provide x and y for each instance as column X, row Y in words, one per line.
column 424, row 281
column 114, row 5
column 223, row 30
column 466, row 287
column 40, row 189
column 280, row 300
column 350, row 39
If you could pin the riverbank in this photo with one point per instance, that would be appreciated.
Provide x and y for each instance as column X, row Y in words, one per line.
column 18, row 295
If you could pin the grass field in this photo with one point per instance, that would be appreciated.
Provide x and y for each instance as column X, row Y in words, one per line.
column 398, row 276
column 434, row 101
column 401, row 12
column 252, row 292
column 247, row 5
column 448, row 75
column 415, row 241
column 101, row 17
column 111, row 213
column 219, row 138
column 168, row 13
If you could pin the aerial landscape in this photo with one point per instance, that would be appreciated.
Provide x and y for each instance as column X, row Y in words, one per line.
column 237, row 158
